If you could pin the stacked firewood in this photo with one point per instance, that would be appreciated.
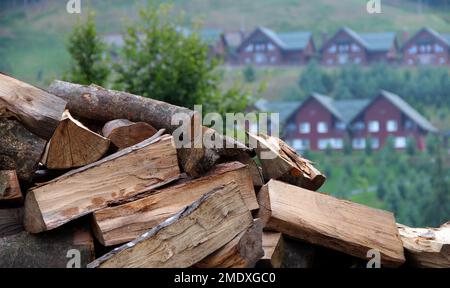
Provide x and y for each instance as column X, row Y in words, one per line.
column 96, row 173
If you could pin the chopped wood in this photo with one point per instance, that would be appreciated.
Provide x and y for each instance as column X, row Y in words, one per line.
column 125, row 174
column 324, row 220
column 273, row 245
column 38, row 110
column 11, row 221
column 123, row 223
column 20, row 149
column 9, row 187
column 426, row 247
column 280, row 161
column 55, row 249
column 73, row 145
column 123, row 133
column 255, row 171
column 188, row 237
column 241, row 252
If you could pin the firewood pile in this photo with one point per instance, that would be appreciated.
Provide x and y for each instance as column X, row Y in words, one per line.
column 93, row 174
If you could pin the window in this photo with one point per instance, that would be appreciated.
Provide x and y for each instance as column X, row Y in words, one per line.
column 330, row 61
column 260, row 47
column 270, row 47
column 374, row 143
column 357, row 60
column 248, row 60
column 412, row 50
column 355, row 48
column 359, row 125
column 410, row 61
column 260, row 58
column 340, row 125
column 343, row 59
column 391, row 126
column 332, row 49
column 359, row 143
column 409, row 125
column 322, row 127
column 249, row 48
column 400, row 142
column 441, row 60
column 305, row 128
column 333, row 143
column 374, row 126
column 344, row 47
column 273, row 59
column 438, row 48
column 300, row 144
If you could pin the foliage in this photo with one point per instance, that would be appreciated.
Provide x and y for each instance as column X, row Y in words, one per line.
column 249, row 74
column 163, row 61
column 426, row 85
column 87, row 52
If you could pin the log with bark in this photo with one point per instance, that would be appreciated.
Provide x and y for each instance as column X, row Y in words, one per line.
column 188, row 237
column 426, row 247
column 123, row 133
column 73, row 145
column 280, row 161
column 130, row 172
column 241, row 252
column 38, row 110
column 123, row 223
column 67, row 247
column 273, row 245
column 9, row 187
column 324, row 220
column 20, row 149
column 11, row 221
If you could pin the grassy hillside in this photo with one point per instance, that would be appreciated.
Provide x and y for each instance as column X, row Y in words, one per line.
column 32, row 39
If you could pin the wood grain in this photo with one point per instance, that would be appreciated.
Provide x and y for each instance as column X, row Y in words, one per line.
column 188, row 237
column 426, row 247
column 73, row 145
column 38, row 110
column 9, row 187
column 124, row 133
column 273, row 245
column 123, row 223
column 127, row 173
column 324, row 220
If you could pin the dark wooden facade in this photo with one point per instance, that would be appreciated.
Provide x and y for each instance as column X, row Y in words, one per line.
column 427, row 47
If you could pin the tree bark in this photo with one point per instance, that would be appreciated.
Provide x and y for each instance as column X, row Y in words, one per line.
column 38, row 110
column 127, row 173
column 73, row 145
column 123, row 223
column 124, row 133
column 20, row 149
column 188, row 237
column 324, row 220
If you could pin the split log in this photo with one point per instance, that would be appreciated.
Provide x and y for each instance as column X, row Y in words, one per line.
column 426, row 247
column 279, row 161
column 123, row 223
column 125, row 174
column 55, row 249
column 326, row 221
column 255, row 171
column 20, row 149
column 124, row 133
column 73, row 145
column 9, row 187
column 241, row 252
column 38, row 110
column 188, row 237
column 11, row 221
column 273, row 245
